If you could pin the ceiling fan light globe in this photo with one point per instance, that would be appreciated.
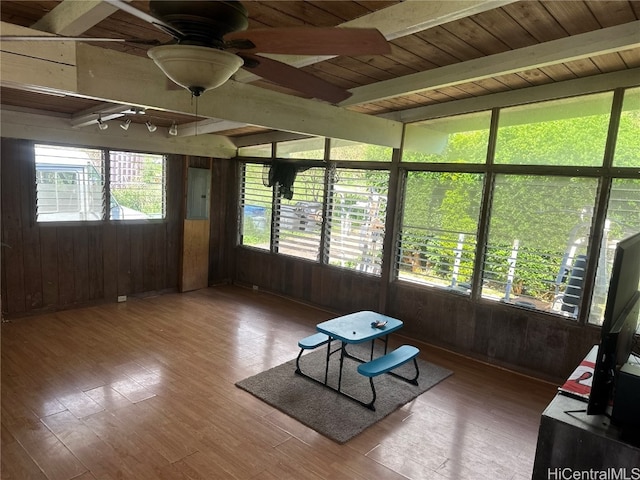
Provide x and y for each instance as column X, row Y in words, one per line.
column 195, row 68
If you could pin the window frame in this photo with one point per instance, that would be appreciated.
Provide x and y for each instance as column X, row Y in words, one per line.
column 107, row 199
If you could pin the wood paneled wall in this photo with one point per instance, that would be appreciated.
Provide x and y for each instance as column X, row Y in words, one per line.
column 531, row 342
column 48, row 267
column 333, row 288
column 224, row 220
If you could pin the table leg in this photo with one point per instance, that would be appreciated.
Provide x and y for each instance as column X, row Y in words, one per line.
column 326, row 368
column 342, row 355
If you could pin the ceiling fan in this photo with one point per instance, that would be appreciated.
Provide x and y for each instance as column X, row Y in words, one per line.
column 211, row 42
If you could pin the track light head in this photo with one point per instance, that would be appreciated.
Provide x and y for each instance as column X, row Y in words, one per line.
column 151, row 127
column 173, row 129
column 101, row 124
column 125, row 125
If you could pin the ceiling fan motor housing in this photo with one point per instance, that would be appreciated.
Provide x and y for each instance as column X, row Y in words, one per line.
column 203, row 23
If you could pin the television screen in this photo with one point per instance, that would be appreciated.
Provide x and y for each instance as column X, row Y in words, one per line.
column 624, row 329
column 615, row 346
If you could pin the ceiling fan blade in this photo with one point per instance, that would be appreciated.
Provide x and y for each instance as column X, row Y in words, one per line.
column 57, row 38
column 293, row 78
column 156, row 22
column 314, row 41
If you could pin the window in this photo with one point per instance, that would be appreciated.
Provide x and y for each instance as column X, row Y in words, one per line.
column 137, row 183
column 263, row 151
column 538, row 239
column 70, row 185
column 346, row 150
column 623, row 220
column 570, row 132
column 293, row 185
column 255, row 204
column 306, row 148
column 357, row 212
column 460, row 139
column 299, row 220
column 437, row 237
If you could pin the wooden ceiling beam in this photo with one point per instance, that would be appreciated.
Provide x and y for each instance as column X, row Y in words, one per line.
column 539, row 93
column 109, row 75
column 44, row 127
column 72, row 18
column 412, row 16
column 115, row 77
column 598, row 42
column 45, row 67
column 207, row 125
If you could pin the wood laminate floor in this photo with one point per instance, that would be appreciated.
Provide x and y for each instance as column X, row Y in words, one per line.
column 145, row 390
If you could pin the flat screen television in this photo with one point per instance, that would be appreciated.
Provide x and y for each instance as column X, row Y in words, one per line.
column 619, row 323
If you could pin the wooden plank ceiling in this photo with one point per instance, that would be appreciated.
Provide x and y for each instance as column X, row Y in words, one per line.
column 511, row 26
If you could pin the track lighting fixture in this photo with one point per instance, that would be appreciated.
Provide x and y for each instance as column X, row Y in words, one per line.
column 125, row 125
column 134, row 111
column 151, row 127
column 101, row 124
column 173, row 129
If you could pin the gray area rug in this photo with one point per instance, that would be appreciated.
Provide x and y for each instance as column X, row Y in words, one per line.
column 324, row 410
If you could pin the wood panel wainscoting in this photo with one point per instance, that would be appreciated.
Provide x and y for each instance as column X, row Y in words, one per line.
column 145, row 390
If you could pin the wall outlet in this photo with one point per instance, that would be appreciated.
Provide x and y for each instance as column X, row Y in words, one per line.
column 255, row 287
column 122, row 298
